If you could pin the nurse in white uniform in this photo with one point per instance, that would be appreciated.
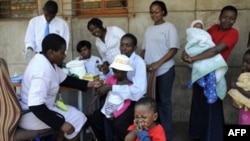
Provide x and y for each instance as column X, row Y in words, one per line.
column 40, row 85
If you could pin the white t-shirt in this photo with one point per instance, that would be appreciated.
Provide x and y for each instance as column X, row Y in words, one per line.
column 158, row 40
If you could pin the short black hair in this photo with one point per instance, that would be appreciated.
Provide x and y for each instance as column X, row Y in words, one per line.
column 162, row 5
column 149, row 101
column 132, row 37
column 229, row 8
column 51, row 7
column 96, row 22
column 82, row 44
column 52, row 41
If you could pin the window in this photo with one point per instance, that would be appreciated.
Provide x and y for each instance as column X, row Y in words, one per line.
column 18, row 8
column 90, row 8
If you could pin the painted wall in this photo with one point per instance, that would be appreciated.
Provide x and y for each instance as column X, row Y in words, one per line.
column 181, row 14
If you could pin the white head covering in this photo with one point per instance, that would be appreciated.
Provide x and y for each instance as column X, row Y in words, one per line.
column 197, row 21
column 122, row 63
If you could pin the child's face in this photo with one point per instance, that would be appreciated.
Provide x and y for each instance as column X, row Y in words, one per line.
column 126, row 46
column 85, row 52
column 227, row 19
column 120, row 75
column 144, row 115
column 246, row 63
column 198, row 25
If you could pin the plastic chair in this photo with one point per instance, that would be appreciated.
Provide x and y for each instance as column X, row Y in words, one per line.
column 10, row 112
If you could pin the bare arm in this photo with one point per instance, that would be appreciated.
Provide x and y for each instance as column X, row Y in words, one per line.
column 131, row 136
column 208, row 53
column 169, row 55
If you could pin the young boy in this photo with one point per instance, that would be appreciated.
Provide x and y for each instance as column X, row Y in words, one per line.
column 91, row 62
column 145, row 127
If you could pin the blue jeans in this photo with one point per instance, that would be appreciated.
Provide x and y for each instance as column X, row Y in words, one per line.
column 163, row 93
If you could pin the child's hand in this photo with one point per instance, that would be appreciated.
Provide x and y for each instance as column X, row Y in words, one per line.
column 140, row 126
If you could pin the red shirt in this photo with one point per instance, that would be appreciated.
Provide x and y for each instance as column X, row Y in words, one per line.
column 228, row 37
column 157, row 133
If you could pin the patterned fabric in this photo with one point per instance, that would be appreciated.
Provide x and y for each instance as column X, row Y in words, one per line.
column 209, row 85
column 9, row 106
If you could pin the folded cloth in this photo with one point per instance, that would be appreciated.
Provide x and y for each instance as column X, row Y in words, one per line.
column 198, row 41
column 244, row 83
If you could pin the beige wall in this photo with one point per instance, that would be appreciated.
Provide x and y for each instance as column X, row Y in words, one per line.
column 181, row 14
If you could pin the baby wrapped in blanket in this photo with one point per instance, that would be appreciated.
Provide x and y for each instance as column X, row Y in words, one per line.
column 208, row 73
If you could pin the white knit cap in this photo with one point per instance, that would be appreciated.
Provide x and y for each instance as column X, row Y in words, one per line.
column 122, row 63
column 197, row 21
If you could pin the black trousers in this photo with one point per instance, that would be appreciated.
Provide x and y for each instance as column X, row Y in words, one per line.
column 206, row 120
column 119, row 125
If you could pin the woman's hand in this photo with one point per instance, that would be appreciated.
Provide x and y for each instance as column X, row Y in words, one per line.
column 153, row 67
column 67, row 128
column 186, row 58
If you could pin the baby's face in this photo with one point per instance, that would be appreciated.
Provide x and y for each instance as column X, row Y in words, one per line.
column 198, row 25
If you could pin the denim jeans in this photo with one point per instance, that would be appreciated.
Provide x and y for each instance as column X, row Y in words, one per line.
column 163, row 93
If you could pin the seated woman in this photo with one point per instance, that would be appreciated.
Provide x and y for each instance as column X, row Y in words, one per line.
column 40, row 85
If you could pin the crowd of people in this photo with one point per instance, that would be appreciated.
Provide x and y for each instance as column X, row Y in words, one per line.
column 126, row 112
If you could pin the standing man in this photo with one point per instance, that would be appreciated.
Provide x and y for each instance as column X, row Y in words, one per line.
column 42, row 25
